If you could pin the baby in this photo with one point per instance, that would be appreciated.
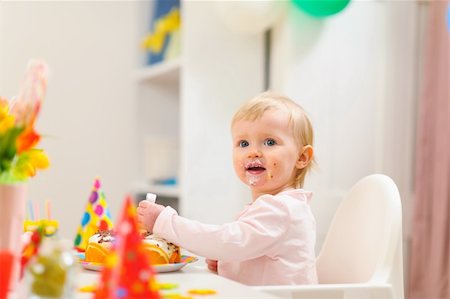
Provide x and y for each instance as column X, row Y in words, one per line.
column 272, row 240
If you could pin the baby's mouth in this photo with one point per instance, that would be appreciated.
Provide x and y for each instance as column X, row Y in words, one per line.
column 254, row 168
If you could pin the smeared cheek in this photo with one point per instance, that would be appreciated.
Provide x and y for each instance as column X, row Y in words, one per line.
column 270, row 172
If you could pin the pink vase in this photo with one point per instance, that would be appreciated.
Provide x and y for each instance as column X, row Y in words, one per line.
column 12, row 207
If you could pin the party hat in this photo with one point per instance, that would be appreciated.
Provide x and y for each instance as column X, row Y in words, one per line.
column 96, row 217
column 127, row 272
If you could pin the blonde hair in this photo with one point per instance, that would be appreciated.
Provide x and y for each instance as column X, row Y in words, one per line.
column 298, row 119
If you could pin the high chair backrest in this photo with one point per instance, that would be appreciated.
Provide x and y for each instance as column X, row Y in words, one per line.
column 364, row 241
column 362, row 253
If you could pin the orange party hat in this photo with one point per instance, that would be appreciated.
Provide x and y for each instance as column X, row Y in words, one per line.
column 127, row 272
column 96, row 217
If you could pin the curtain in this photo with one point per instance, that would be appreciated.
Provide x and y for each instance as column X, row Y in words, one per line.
column 429, row 276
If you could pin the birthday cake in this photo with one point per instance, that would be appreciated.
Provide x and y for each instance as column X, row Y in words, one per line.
column 99, row 245
column 157, row 249
column 160, row 250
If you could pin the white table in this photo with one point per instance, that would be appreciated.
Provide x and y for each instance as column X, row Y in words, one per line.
column 192, row 276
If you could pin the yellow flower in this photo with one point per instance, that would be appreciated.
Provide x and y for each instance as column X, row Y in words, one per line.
column 30, row 161
column 6, row 119
column 39, row 159
column 6, row 124
column 4, row 107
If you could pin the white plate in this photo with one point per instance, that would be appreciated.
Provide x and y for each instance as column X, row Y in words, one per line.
column 185, row 260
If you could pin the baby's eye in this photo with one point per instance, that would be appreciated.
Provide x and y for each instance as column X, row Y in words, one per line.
column 243, row 143
column 270, row 142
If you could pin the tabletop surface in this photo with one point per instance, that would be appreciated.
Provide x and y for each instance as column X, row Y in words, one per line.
column 189, row 278
column 194, row 276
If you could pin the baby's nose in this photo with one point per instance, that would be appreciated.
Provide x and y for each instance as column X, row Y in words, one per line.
column 255, row 153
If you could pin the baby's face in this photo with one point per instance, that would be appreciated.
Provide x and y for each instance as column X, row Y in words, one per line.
column 265, row 154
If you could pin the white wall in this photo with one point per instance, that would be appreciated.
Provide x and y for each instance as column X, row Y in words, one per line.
column 87, row 120
column 221, row 69
column 356, row 74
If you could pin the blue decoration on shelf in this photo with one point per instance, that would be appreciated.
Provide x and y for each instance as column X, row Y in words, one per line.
column 161, row 8
column 172, row 181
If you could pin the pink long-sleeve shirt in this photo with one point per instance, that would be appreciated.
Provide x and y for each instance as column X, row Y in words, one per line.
column 271, row 242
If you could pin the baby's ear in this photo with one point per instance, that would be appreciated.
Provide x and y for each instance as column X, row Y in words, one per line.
column 305, row 156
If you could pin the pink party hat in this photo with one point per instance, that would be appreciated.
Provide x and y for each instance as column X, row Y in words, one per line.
column 127, row 273
column 96, row 217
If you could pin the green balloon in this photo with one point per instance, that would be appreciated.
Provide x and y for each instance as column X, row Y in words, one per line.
column 321, row 8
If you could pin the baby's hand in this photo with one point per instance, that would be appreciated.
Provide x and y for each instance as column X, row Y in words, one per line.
column 147, row 212
column 212, row 265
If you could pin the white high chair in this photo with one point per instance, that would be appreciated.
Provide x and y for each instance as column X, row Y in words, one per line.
column 362, row 253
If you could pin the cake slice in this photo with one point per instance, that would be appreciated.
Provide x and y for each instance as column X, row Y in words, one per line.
column 161, row 251
column 99, row 245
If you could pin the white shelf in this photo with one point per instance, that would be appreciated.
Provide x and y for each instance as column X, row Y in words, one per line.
column 159, row 190
column 166, row 71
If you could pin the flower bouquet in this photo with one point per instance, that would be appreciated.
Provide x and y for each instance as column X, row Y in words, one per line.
column 19, row 157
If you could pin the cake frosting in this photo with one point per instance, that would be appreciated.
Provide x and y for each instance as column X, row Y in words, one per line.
column 104, row 237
